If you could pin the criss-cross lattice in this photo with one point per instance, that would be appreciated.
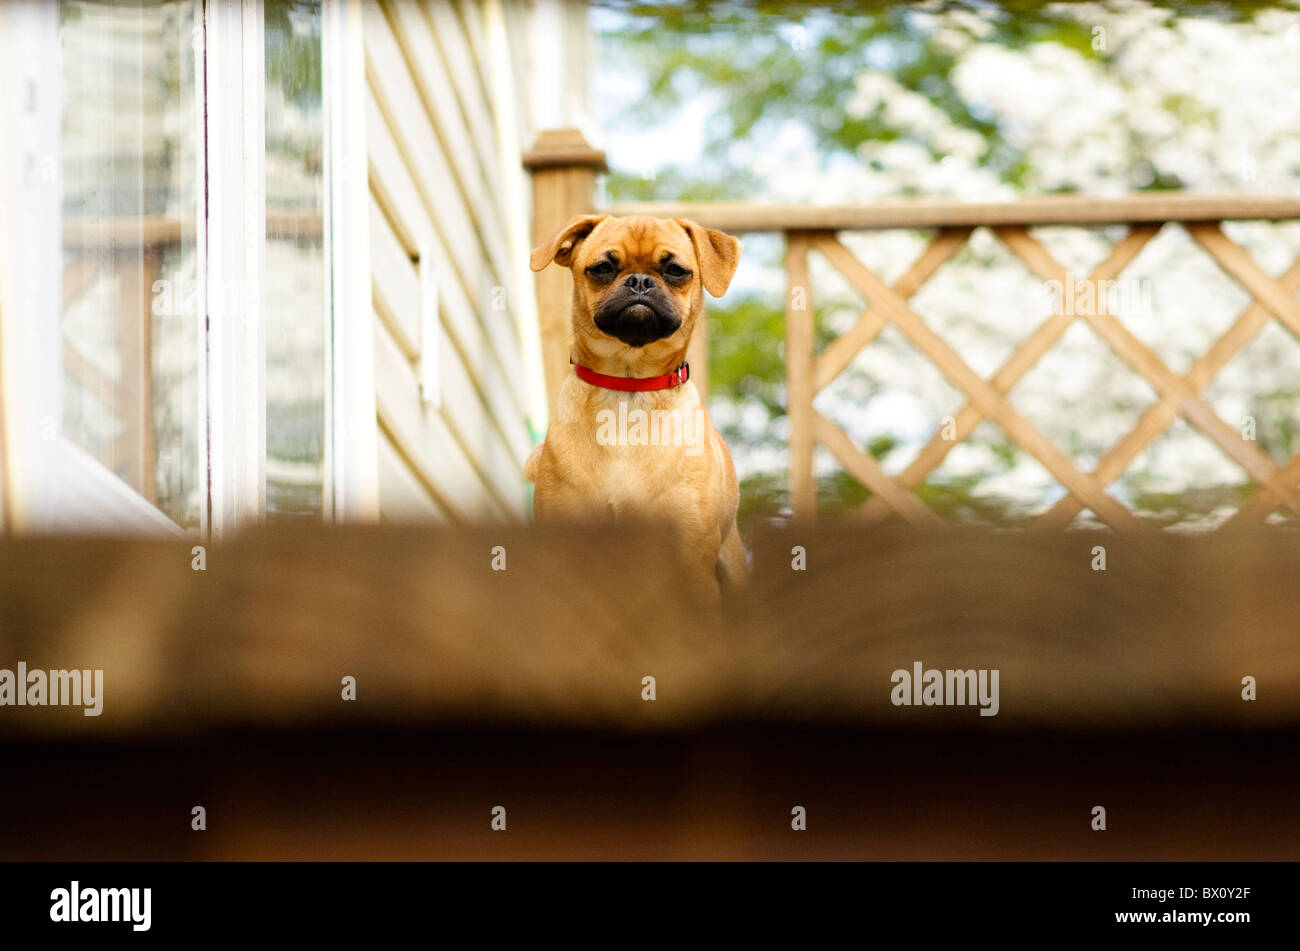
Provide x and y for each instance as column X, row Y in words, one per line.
column 809, row 372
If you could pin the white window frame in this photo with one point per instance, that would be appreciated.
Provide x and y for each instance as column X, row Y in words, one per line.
column 352, row 440
column 47, row 483
column 232, row 263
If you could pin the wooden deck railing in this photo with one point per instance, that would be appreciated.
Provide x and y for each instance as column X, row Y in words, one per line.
column 810, row 229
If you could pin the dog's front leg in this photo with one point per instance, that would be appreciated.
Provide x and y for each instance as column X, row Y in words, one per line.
column 733, row 566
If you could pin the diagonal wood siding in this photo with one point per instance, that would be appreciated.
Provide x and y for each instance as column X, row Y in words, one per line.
column 439, row 201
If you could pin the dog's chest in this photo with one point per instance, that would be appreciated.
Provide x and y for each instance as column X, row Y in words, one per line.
column 625, row 480
column 633, row 453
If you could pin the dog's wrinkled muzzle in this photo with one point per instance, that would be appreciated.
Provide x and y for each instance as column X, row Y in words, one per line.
column 637, row 319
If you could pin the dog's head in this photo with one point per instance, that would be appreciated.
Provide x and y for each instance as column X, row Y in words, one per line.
column 638, row 282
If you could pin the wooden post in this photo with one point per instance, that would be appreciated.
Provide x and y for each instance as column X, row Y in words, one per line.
column 564, row 169
column 133, row 397
column 799, row 375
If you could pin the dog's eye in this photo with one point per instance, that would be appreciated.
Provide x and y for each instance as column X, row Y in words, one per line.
column 675, row 272
column 602, row 271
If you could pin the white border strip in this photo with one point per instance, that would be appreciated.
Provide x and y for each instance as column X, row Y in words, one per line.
column 232, row 257
column 353, row 445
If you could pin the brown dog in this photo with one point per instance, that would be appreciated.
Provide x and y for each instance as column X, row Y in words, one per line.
column 628, row 435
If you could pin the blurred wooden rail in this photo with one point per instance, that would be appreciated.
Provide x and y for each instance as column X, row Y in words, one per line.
column 565, row 635
column 477, row 688
column 169, row 231
column 1142, row 208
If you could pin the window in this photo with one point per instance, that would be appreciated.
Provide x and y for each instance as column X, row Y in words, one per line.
column 169, row 179
column 296, row 325
column 130, row 315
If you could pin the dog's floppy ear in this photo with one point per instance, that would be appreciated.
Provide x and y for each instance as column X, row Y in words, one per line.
column 719, row 253
column 560, row 248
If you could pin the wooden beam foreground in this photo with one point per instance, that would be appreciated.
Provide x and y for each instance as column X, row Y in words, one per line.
column 523, row 688
column 566, row 634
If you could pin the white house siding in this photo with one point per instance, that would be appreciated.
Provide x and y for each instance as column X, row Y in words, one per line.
column 442, row 148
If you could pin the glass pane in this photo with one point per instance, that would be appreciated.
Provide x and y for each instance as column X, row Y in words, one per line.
column 130, row 323
column 296, row 318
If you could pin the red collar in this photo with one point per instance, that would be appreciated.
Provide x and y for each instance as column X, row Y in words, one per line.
column 633, row 383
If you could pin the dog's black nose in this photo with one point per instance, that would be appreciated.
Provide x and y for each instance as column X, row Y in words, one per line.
column 640, row 283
